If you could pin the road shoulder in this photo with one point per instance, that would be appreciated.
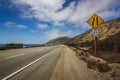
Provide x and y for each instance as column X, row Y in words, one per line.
column 69, row 67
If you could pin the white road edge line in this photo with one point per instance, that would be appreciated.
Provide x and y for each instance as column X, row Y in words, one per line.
column 12, row 74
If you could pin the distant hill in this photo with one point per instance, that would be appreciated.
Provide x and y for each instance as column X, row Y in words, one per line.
column 60, row 40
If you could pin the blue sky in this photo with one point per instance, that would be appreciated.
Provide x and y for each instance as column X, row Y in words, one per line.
column 38, row 21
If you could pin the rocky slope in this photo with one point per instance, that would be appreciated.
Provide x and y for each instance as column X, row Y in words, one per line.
column 107, row 29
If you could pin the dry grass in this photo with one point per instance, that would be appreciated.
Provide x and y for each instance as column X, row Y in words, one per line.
column 110, row 57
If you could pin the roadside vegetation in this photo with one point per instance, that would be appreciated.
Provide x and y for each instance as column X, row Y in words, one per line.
column 107, row 49
column 82, row 44
column 11, row 46
column 110, row 44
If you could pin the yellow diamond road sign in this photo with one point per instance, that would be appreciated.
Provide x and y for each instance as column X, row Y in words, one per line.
column 95, row 21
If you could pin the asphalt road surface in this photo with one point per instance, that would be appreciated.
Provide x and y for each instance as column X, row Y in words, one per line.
column 43, row 63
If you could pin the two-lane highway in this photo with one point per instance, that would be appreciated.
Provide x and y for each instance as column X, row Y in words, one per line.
column 13, row 62
column 44, row 63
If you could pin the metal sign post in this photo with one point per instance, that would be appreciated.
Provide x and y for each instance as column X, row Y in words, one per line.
column 95, row 21
column 95, row 34
column 95, row 42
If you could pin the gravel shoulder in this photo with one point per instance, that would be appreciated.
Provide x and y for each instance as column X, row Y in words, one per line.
column 69, row 67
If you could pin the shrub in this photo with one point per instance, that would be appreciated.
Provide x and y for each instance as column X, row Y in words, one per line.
column 118, row 19
column 110, row 44
column 103, row 67
column 3, row 48
column 13, row 45
column 118, row 48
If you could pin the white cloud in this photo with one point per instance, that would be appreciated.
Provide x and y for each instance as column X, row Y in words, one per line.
column 87, row 8
column 21, row 26
column 55, row 33
column 34, row 31
column 52, row 34
column 10, row 24
column 58, row 23
column 42, row 26
column 49, row 10
column 13, row 24
column 40, row 9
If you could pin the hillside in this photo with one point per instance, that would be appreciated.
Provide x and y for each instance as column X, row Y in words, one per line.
column 106, row 30
column 108, row 49
column 108, row 42
column 60, row 40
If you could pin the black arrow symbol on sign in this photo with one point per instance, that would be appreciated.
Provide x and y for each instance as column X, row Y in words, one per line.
column 97, row 20
column 93, row 21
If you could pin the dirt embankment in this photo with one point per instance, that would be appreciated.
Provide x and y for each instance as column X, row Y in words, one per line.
column 109, row 70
